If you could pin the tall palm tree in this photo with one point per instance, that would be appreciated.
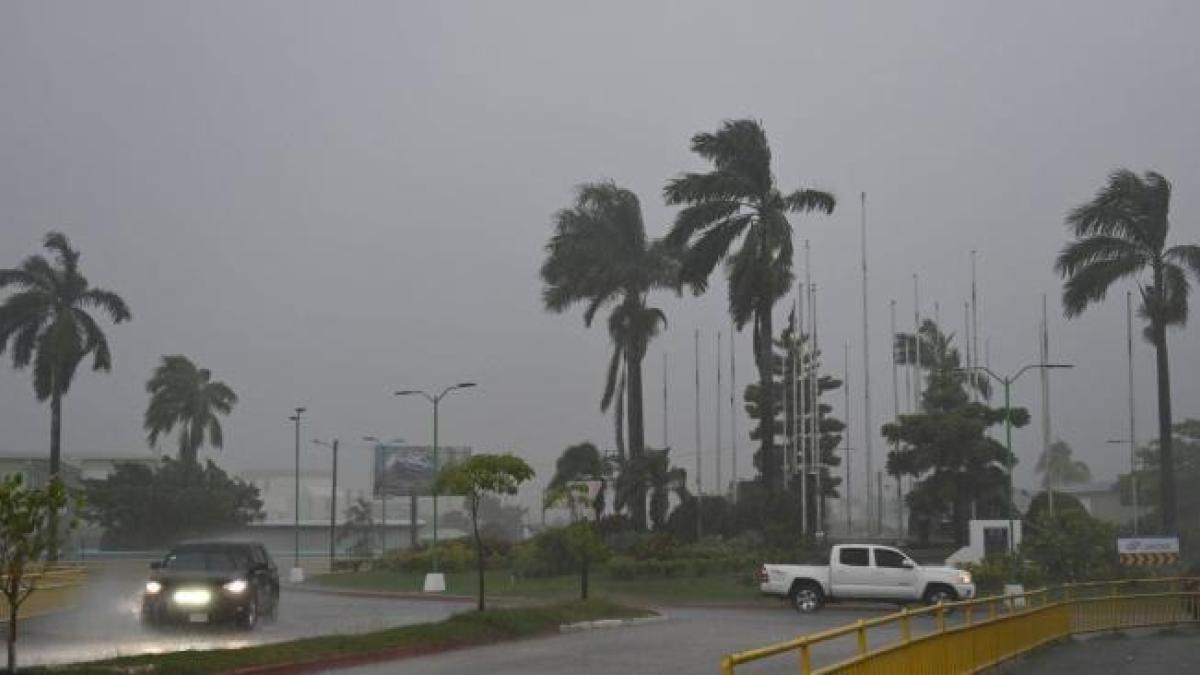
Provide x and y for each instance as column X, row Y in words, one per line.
column 184, row 395
column 1122, row 233
column 600, row 255
column 1058, row 467
column 739, row 200
column 49, row 322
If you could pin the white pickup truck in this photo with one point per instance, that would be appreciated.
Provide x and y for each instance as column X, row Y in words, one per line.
column 864, row 572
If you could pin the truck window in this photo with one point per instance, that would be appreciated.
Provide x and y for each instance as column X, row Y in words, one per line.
column 855, row 557
column 885, row 557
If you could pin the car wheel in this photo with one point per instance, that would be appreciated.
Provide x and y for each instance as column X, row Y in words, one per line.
column 936, row 595
column 807, row 598
column 249, row 618
column 273, row 613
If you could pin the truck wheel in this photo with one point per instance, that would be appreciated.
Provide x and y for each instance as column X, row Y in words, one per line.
column 807, row 598
column 936, row 595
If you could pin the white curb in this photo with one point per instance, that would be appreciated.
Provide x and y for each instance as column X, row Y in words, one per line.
column 608, row 623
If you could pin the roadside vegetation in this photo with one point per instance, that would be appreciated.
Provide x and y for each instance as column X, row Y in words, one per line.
column 462, row 630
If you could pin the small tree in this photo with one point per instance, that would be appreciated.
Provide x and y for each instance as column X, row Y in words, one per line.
column 27, row 537
column 359, row 528
column 583, row 542
column 476, row 477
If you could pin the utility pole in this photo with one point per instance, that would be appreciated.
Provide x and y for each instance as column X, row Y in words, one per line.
column 699, row 451
column 846, row 440
column 733, row 439
column 868, row 431
column 818, row 459
column 717, row 438
column 1044, row 344
column 1133, row 479
column 801, row 435
column 895, row 377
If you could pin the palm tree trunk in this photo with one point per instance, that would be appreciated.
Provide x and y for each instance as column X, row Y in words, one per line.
column 766, row 401
column 1167, row 453
column 55, row 459
column 636, row 430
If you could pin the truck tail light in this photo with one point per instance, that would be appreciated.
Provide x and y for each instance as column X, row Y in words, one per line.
column 760, row 575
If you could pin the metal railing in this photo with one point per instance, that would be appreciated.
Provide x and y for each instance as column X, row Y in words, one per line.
column 55, row 588
column 969, row 636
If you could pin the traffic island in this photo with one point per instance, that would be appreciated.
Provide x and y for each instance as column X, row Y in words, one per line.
column 310, row 655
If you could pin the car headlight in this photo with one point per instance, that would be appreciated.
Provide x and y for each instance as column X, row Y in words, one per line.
column 153, row 587
column 964, row 577
column 236, row 586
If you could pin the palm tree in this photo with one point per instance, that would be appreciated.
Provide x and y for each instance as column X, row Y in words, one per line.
column 651, row 474
column 599, row 255
column 1122, row 233
column 49, row 322
column 739, row 200
column 1058, row 468
column 580, row 462
column 182, row 394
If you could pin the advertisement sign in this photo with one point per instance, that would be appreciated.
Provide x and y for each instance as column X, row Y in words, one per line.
column 408, row 470
column 1148, row 551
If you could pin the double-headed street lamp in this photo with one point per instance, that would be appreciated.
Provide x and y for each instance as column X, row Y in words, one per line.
column 296, row 573
column 332, row 498
column 435, row 400
column 1007, row 382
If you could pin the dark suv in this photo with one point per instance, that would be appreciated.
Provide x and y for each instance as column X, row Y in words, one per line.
column 212, row 582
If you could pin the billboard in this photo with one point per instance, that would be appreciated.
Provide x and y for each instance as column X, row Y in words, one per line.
column 407, row 470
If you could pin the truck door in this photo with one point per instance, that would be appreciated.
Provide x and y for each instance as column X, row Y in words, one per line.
column 896, row 574
column 850, row 573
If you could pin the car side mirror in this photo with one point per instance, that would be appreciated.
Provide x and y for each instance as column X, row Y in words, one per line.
column 908, row 565
column 156, row 565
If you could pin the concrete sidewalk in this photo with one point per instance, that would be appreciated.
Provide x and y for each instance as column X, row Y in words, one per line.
column 1140, row 652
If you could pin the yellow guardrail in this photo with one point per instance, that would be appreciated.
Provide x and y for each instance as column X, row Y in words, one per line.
column 55, row 588
column 972, row 635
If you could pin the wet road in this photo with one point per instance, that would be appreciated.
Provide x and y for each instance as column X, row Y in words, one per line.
column 105, row 623
column 691, row 640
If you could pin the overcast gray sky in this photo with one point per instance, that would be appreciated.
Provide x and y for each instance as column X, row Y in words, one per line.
column 324, row 202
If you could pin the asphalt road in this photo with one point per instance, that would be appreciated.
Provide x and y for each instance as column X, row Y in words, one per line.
column 105, row 623
column 691, row 640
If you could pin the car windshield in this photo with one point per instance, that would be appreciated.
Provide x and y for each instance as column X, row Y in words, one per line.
column 215, row 560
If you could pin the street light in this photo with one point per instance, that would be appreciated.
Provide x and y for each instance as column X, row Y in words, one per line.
column 297, row 575
column 1007, row 382
column 435, row 400
column 332, row 499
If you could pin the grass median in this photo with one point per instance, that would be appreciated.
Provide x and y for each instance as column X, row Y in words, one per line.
column 462, row 630
column 711, row 588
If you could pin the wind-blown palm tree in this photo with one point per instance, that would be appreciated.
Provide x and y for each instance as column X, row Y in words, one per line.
column 48, row 321
column 652, row 474
column 600, row 255
column 184, row 395
column 1122, row 233
column 1058, row 467
column 739, row 200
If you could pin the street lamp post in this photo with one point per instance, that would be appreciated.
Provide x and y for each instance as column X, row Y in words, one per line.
column 297, row 575
column 1007, row 382
column 332, row 500
column 435, row 400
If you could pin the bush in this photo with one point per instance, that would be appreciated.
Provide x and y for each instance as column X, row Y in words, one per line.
column 995, row 571
column 455, row 555
column 1073, row 546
